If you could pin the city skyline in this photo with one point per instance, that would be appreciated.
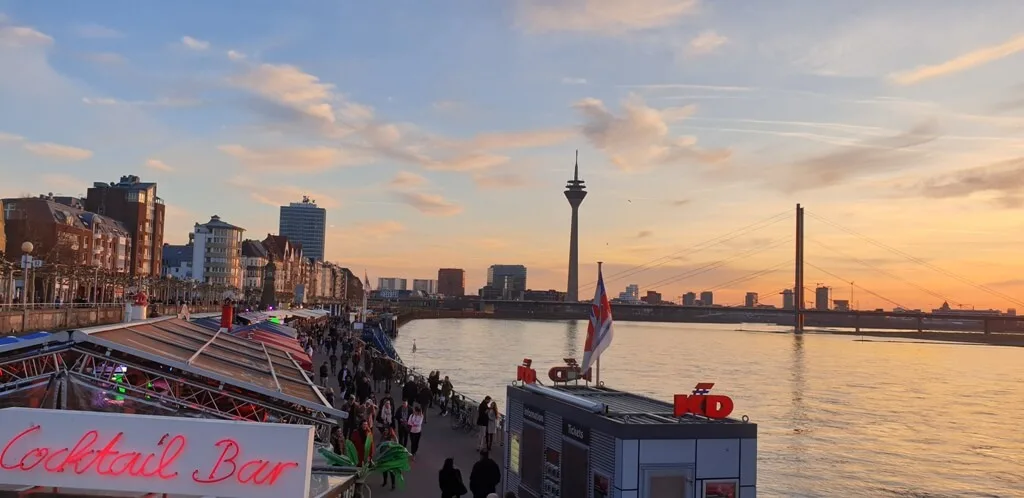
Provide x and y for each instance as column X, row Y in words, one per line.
column 692, row 120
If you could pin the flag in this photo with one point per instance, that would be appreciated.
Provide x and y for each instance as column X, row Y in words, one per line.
column 366, row 282
column 599, row 332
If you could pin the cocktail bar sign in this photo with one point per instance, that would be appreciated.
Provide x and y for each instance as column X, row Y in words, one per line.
column 149, row 454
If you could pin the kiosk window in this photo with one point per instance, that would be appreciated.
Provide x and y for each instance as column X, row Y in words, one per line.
column 667, row 482
column 575, row 470
column 531, row 457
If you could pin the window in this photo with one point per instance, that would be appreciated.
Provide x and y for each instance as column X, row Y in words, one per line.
column 666, row 481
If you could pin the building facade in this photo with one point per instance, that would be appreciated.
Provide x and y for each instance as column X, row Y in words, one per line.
column 690, row 299
column 425, row 285
column 306, row 223
column 217, row 253
column 631, row 294
column 822, row 298
column 3, row 234
column 707, row 298
column 287, row 257
column 135, row 204
column 177, row 261
column 254, row 263
column 510, row 279
column 392, row 283
column 788, row 298
column 451, row 282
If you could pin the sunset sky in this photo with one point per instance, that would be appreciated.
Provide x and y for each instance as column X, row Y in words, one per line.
column 441, row 134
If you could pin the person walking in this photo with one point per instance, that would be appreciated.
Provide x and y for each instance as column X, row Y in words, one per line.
column 389, row 436
column 401, row 420
column 481, row 422
column 385, row 418
column 492, row 424
column 334, row 362
column 415, row 430
column 446, row 395
column 449, row 478
column 485, row 476
column 323, row 374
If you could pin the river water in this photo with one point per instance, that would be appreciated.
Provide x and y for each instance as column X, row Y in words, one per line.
column 837, row 417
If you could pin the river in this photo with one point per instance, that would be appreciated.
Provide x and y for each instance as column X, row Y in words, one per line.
column 836, row 416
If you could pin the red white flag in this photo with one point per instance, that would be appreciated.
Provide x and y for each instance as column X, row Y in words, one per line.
column 599, row 332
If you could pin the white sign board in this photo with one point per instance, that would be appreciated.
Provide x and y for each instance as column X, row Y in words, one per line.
column 150, row 454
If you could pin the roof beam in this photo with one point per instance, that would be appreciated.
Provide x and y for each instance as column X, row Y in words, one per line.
column 270, row 362
column 203, row 347
column 312, row 385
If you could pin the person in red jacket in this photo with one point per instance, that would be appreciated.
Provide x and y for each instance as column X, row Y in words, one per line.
column 359, row 438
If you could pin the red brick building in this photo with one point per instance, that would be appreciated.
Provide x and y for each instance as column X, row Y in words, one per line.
column 451, row 282
column 135, row 204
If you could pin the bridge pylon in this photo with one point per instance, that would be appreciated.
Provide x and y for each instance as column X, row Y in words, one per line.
column 798, row 277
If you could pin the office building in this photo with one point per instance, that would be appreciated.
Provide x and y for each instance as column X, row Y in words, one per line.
column 631, row 294
column 690, row 299
column 788, row 298
column 652, row 297
column 217, row 253
column 391, row 283
column 575, row 192
column 451, row 282
column 135, row 204
column 841, row 305
column 822, row 298
column 750, row 300
column 305, row 223
column 424, row 285
column 3, row 234
column 707, row 298
column 510, row 279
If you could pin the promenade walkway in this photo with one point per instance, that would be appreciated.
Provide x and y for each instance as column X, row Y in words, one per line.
column 439, row 441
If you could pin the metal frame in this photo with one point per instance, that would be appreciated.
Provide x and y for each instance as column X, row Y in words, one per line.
column 273, row 373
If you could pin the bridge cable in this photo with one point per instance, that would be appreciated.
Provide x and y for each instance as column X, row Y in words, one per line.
column 869, row 291
column 887, row 273
column 750, row 276
column 775, row 292
column 919, row 261
column 654, row 263
column 717, row 264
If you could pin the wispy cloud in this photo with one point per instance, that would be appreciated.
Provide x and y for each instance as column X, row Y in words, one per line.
column 158, row 165
column 638, row 138
column 869, row 156
column 58, row 151
column 602, row 16
column 964, row 62
column 292, row 159
column 194, row 43
column 501, row 180
column 96, row 31
column 447, row 105
column 275, row 194
column 574, row 81
column 47, row 149
column 23, row 36
column 104, row 57
column 706, row 43
column 429, row 204
column 160, row 102
column 643, row 234
column 378, row 229
column 689, row 86
column 236, row 55
column 1005, row 178
column 406, row 179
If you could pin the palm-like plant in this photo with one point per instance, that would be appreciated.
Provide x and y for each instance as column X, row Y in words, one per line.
column 388, row 456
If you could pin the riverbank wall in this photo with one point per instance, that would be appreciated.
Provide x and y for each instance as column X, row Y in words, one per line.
column 14, row 321
column 996, row 339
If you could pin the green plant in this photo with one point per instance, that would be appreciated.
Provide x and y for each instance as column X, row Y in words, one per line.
column 388, row 456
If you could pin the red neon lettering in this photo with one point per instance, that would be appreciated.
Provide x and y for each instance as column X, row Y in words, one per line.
column 89, row 454
column 107, row 461
column 251, row 472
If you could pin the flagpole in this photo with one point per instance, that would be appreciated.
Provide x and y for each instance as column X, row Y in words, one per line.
column 597, row 371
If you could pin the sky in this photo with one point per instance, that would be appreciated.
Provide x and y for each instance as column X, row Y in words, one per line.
column 441, row 134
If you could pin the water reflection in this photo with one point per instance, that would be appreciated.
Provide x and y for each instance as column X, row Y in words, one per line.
column 572, row 330
column 798, row 413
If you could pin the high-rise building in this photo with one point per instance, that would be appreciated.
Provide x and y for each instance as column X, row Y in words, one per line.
column 217, row 253
column 652, row 297
column 391, row 283
column 750, row 300
column 135, row 204
column 177, row 261
column 306, row 223
column 425, row 285
column 631, row 294
column 451, row 282
column 575, row 192
column 690, row 299
column 822, row 298
column 707, row 298
column 510, row 279
column 788, row 299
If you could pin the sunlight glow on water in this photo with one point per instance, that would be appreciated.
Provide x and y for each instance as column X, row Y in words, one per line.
column 836, row 417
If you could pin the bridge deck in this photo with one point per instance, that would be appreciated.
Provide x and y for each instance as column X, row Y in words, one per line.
column 439, row 441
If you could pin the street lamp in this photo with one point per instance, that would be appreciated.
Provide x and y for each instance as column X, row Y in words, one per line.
column 26, row 265
column 96, row 275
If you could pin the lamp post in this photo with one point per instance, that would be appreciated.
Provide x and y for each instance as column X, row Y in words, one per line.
column 26, row 265
column 96, row 276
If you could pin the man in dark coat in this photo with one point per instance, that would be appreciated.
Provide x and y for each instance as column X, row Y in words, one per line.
column 485, row 476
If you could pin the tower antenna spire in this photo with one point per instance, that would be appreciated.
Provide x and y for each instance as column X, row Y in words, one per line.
column 576, row 169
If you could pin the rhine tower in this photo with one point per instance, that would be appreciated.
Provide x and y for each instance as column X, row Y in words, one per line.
column 575, row 191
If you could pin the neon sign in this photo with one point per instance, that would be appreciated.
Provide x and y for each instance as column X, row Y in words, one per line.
column 713, row 406
column 134, row 453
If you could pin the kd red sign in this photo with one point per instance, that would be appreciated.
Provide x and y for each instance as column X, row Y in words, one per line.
column 701, row 403
column 526, row 375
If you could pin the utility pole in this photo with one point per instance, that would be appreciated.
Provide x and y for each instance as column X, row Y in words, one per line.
column 798, row 285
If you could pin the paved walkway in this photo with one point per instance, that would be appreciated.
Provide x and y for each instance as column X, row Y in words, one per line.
column 439, row 441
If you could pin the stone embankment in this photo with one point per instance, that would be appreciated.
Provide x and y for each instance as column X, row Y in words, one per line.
column 17, row 321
